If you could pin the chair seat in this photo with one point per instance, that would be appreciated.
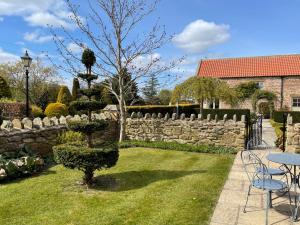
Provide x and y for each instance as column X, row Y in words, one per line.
column 269, row 184
column 271, row 171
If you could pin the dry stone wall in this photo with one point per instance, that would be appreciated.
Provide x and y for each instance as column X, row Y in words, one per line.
column 292, row 135
column 41, row 134
column 193, row 130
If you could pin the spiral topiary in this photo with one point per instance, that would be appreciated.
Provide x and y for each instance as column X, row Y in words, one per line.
column 87, row 157
column 64, row 96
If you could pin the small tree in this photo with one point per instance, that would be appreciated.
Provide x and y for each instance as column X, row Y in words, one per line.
column 165, row 96
column 246, row 90
column 4, row 89
column 151, row 89
column 64, row 95
column 131, row 93
column 75, row 89
column 91, row 157
column 204, row 89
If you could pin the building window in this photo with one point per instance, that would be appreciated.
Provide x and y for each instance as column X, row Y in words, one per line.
column 296, row 102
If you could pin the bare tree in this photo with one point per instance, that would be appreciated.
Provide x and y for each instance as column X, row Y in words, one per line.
column 112, row 30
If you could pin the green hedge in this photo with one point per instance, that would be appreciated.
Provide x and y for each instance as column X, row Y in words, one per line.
column 278, row 116
column 188, row 110
column 178, row 147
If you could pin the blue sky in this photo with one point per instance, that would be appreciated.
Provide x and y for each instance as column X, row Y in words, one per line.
column 202, row 28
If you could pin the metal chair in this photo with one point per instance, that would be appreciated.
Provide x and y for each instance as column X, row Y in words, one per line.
column 261, row 149
column 260, row 178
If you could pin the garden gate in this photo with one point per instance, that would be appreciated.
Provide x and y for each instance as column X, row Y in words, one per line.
column 254, row 131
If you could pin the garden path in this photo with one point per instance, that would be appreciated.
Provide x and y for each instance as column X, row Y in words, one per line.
column 229, row 209
column 268, row 133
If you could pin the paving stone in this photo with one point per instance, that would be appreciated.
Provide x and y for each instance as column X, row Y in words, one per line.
column 230, row 217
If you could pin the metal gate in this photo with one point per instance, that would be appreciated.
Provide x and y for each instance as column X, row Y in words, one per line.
column 254, row 131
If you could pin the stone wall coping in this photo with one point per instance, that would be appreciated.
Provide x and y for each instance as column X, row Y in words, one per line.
column 174, row 116
column 28, row 124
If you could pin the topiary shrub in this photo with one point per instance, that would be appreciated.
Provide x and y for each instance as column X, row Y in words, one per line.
column 4, row 89
column 86, row 159
column 37, row 111
column 84, row 155
column 56, row 109
column 71, row 137
column 64, row 95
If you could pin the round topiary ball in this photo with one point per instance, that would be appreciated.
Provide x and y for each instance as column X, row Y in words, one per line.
column 56, row 109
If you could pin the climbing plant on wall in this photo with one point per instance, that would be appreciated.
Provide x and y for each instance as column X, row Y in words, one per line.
column 263, row 94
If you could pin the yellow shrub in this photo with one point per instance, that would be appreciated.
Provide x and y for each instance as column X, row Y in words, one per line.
column 36, row 111
column 56, row 109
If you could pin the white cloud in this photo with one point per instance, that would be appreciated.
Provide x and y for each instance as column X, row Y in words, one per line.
column 37, row 37
column 1, row 19
column 144, row 61
column 200, row 35
column 6, row 57
column 75, row 48
column 38, row 12
column 45, row 19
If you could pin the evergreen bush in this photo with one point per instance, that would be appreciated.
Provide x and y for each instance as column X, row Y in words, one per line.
column 56, row 109
column 75, row 89
column 36, row 111
column 4, row 89
column 64, row 95
column 85, row 156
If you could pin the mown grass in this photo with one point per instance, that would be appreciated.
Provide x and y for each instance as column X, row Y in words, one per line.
column 147, row 187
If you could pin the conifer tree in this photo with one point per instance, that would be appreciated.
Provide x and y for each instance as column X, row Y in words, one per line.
column 150, row 90
column 75, row 89
column 4, row 89
column 64, row 95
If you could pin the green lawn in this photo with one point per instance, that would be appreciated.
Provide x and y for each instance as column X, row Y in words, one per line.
column 147, row 187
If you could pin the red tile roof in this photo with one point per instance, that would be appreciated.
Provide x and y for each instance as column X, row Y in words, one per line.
column 261, row 66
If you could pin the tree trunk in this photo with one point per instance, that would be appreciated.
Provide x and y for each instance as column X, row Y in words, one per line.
column 201, row 106
column 89, row 140
column 88, row 177
column 122, row 120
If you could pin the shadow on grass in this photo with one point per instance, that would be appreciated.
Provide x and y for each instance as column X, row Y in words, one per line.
column 12, row 180
column 131, row 180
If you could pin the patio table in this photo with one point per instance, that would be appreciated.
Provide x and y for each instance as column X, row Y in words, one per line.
column 289, row 159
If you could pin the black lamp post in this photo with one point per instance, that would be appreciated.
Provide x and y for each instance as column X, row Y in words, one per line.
column 26, row 60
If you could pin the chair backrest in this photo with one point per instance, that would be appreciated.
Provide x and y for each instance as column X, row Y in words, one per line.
column 260, row 150
column 253, row 166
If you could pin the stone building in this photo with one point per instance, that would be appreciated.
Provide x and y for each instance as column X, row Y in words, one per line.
column 279, row 74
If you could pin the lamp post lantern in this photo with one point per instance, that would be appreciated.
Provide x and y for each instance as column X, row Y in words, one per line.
column 26, row 60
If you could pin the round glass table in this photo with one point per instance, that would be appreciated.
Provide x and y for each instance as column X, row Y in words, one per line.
column 289, row 159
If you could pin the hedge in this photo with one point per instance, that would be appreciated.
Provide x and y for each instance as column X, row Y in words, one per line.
column 278, row 116
column 13, row 110
column 188, row 110
column 178, row 147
